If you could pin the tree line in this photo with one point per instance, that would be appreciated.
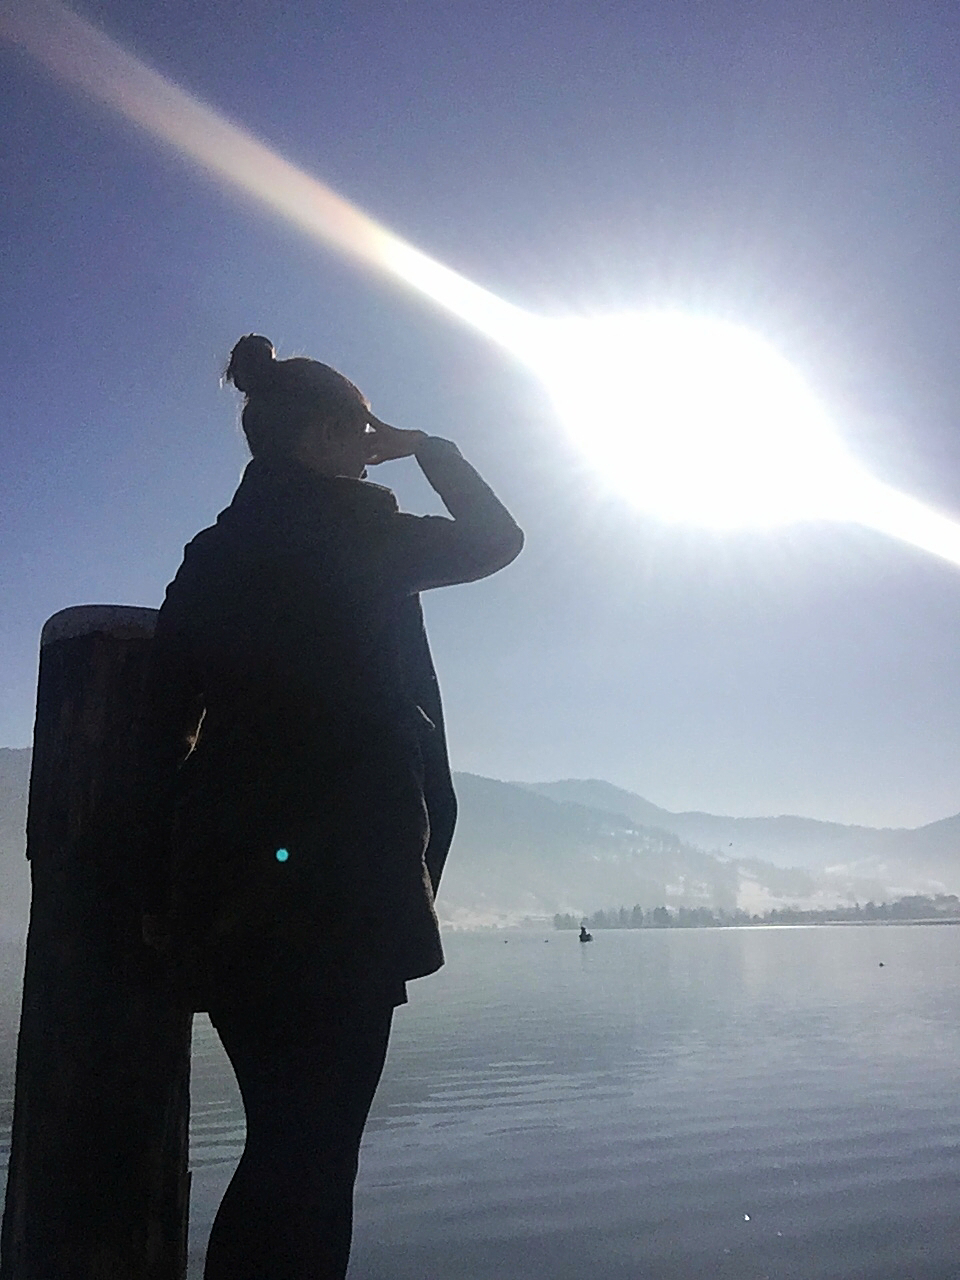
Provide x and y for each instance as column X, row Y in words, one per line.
column 942, row 906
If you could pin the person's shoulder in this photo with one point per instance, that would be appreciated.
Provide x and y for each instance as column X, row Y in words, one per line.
column 206, row 546
column 381, row 494
column 366, row 500
column 204, row 557
column 205, row 540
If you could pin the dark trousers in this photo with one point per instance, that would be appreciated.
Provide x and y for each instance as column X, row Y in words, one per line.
column 288, row 1212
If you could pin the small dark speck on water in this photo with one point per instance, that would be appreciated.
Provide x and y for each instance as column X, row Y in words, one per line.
column 881, row 964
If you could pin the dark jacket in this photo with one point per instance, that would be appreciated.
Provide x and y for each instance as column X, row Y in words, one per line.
column 295, row 784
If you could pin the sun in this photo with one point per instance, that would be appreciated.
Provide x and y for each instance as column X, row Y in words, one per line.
column 699, row 420
column 696, row 419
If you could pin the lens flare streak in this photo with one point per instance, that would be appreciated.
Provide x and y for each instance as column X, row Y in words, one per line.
column 697, row 420
column 75, row 51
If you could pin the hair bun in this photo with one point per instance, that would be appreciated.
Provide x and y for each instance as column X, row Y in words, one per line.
column 252, row 364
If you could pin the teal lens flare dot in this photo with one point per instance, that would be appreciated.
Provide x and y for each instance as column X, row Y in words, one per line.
column 283, row 855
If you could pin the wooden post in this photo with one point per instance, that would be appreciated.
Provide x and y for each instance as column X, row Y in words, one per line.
column 98, row 1185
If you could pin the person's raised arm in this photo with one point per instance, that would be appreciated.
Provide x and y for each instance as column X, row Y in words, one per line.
column 436, row 551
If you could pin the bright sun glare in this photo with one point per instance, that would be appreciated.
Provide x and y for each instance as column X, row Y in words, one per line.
column 699, row 420
column 695, row 419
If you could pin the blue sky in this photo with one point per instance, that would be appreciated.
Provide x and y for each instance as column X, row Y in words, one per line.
column 793, row 166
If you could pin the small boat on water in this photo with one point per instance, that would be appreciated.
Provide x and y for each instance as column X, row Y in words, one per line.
column 584, row 936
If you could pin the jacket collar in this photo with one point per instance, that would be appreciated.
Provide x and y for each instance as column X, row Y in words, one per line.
column 286, row 494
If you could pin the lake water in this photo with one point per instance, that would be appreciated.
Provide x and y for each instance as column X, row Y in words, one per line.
column 733, row 1104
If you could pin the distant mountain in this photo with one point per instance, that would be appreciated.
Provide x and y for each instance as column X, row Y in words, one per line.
column 595, row 845
column 531, row 850
column 786, row 840
column 895, row 855
column 517, row 853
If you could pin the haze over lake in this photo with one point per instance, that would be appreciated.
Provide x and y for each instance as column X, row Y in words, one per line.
column 526, row 851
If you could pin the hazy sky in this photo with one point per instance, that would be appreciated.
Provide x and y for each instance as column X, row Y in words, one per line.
column 793, row 166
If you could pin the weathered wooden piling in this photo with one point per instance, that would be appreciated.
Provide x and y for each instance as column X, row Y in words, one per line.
column 98, row 1185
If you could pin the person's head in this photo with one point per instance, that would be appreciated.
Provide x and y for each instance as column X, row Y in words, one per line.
column 299, row 409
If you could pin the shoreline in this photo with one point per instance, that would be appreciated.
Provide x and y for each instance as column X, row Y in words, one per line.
column 761, row 924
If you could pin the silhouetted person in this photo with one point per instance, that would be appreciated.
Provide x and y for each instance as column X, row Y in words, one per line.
column 584, row 936
column 296, row 793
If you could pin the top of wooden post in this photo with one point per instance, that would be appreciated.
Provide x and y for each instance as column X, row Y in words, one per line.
column 119, row 621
